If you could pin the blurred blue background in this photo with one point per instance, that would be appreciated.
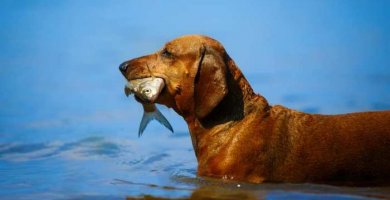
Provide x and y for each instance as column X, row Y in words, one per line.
column 66, row 127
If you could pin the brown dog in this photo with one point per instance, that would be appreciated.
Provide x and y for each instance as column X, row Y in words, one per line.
column 237, row 135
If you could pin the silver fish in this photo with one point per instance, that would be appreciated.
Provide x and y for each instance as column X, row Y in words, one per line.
column 147, row 90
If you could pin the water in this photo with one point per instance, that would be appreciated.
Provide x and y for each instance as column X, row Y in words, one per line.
column 67, row 131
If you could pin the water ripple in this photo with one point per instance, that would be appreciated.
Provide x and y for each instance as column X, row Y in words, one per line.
column 85, row 148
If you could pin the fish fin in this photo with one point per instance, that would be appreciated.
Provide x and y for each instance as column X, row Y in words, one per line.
column 160, row 118
column 146, row 118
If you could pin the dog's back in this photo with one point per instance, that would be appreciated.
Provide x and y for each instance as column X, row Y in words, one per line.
column 353, row 147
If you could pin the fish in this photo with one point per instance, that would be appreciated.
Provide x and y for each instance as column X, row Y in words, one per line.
column 148, row 90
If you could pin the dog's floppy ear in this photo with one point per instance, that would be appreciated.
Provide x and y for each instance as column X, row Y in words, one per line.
column 210, row 82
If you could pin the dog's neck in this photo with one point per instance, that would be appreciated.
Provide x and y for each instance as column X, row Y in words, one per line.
column 240, row 101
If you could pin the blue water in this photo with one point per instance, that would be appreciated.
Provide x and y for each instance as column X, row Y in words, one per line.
column 67, row 130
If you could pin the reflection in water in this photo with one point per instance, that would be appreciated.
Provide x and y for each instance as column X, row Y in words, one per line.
column 222, row 193
column 216, row 189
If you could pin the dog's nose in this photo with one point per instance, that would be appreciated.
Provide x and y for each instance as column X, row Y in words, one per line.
column 123, row 67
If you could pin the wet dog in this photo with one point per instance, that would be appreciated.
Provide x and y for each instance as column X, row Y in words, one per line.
column 237, row 135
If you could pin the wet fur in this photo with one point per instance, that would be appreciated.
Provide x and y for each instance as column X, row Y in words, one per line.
column 237, row 135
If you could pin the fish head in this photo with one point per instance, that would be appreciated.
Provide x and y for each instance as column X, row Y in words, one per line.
column 150, row 89
column 149, row 93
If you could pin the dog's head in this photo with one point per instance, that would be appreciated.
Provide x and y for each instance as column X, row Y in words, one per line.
column 194, row 70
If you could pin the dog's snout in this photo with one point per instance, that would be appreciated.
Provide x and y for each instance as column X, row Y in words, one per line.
column 123, row 67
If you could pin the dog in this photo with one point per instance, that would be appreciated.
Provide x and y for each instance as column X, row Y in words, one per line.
column 237, row 135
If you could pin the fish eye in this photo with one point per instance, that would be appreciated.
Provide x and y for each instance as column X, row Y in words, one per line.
column 147, row 91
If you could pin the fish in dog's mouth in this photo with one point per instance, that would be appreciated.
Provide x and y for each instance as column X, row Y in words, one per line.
column 145, row 90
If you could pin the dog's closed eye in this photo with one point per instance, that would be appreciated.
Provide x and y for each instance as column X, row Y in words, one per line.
column 166, row 54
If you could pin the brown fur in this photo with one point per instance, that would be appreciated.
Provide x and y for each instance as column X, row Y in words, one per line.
column 237, row 135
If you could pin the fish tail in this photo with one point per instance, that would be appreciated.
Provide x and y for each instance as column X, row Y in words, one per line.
column 146, row 118
column 149, row 116
column 160, row 118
